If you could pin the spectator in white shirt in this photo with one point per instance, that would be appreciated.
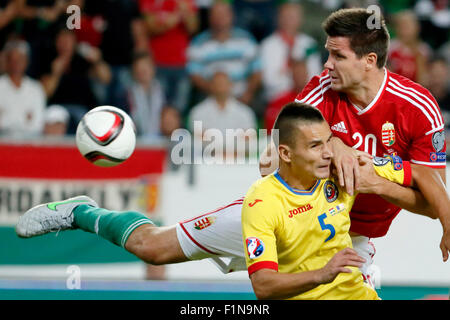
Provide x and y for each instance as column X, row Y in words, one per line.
column 220, row 119
column 221, row 110
column 286, row 44
column 22, row 99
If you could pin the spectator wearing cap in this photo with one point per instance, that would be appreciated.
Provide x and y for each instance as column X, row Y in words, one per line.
column 22, row 99
column 56, row 121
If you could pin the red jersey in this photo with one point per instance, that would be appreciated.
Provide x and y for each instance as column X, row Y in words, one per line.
column 169, row 48
column 403, row 119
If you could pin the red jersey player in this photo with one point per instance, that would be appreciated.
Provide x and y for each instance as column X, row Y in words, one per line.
column 376, row 111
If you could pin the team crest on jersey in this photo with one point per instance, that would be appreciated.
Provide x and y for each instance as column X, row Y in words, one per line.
column 255, row 247
column 438, row 140
column 204, row 223
column 330, row 190
column 388, row 134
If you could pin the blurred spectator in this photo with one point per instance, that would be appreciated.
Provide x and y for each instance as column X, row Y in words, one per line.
column 122, row 34
column 147, row 101
column 439, row 84
column 223, row 47
column 9, row 10
column 69, row 74
column 408, row 54
column 434, row 16
column 444, row 51
column 56, row 121
column 221, row 110
column 203, row 7
column 170, row 24
column 392, row 7
column 256, row 16
column 92, row 24
column 22, row 99
column 170, row 121
column 279, row 49
column 67, row 79
column 299, row 74
column 40, row 21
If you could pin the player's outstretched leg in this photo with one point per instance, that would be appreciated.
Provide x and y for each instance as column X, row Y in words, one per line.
column 80, row 212
column 129, row 229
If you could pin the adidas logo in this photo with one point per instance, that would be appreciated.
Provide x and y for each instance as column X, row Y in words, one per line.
column 340, row 127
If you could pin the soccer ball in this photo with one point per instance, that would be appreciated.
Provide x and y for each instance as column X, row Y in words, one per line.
column 106, row 136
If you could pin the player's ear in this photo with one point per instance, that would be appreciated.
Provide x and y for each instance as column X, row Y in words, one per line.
column 285, row 152
column 371, row 61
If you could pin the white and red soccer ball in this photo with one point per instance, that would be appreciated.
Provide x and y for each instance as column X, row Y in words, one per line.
column 106, row 136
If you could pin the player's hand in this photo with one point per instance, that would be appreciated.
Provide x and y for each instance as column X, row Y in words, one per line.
column 345, row 160
column 445, row 245
column 368, row 180
column 339, row 264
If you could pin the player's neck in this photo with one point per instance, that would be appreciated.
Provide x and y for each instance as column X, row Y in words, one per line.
column 300, row 182
column 363, row 95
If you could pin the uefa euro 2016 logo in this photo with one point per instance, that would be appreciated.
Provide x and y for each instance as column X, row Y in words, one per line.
column 255, row 247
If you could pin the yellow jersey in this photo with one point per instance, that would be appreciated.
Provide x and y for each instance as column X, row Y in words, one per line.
column 292, row 230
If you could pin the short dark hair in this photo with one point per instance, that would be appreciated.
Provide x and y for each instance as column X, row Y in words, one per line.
column 353, row 24
column 288, row 119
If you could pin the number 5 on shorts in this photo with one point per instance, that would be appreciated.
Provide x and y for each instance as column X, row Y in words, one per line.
column 326, row 226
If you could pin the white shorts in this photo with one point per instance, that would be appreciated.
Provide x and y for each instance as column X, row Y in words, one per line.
column 366, row 249
column 218, row 235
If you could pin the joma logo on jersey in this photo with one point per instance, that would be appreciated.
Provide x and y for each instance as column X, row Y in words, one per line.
column 254, row 202
column 300, row 210
column 204, row 223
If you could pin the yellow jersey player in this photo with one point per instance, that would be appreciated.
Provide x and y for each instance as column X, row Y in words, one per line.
column 296, row 223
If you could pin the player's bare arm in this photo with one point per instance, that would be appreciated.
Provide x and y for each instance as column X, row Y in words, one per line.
column 427, row 190
column 345, row 160
column 427, row 194
column 270, row 284
column 432, row 185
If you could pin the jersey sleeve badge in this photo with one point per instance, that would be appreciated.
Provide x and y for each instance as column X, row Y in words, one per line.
column 255, row 247
column 438, row 140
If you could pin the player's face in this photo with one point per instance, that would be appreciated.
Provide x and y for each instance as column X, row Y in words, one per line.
column 312, row 153
column 345, row 68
